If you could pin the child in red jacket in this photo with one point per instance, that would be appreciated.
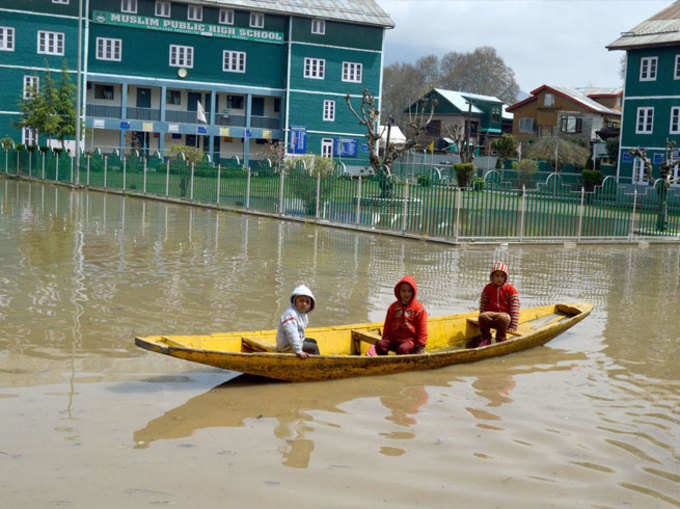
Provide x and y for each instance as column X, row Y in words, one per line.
column 498, row 306
column 405, row 330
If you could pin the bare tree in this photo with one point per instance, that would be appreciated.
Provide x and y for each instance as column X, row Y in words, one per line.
column 457, row 134
column 414, row 129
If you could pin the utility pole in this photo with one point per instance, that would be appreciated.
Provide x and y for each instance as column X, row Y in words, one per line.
column 467, row 132
column 78, row 88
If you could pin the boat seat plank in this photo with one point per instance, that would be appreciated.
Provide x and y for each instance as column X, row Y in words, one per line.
column 358, row 336
column 475, row 322
column 251, row 345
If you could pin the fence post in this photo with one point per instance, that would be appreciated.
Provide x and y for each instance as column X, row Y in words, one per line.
column 43, row 165
column 167, row 177
column 106, row 162
column 458, row 205
column 219, row 170
column 632, row 217
column 318, row 194
column 88, row 169
column 144, row 188
column 7, row 161
column 404, row 210
column 523, row 212
column 283, row 176
column 357, row 218
column 70, row 171
column 16, row 169
column 124, row 172
column 56, row 173
column 191, row 191
column 580, row 213
column 30, row 163
column 248, row 190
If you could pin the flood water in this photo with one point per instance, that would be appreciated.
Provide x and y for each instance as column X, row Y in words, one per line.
column 87, row 419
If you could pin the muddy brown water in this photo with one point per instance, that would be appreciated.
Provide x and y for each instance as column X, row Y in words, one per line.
column 88, row 420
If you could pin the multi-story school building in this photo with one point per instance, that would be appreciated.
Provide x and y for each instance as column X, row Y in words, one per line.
column 226, row 76
column 651, row 99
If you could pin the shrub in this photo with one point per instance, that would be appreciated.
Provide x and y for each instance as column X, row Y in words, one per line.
column 7, row 143
column 478, row 183
column 424, row 180
column 44, row 148
column 591, row 178
column 464, row 172
column 613, row 148
column 19, row 146
column 526, row 168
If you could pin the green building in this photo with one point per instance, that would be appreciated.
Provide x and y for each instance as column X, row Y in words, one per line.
column 226, row 76
column 651, row 99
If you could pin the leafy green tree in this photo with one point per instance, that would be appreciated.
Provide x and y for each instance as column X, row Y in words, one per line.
column 65, row 107
column 505, row 147
column 613, row 148
column 558, row 152
column 38, row 109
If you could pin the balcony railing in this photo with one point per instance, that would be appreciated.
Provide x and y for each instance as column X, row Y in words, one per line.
column 98, row 110
column 265, row 122
column 181, row 116
column 229, row 119
column 144, row 113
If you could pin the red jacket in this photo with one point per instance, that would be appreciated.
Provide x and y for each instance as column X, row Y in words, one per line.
column 504, row 299
column 406, row 322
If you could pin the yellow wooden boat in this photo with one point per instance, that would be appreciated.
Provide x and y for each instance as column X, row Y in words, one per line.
column 343, row 347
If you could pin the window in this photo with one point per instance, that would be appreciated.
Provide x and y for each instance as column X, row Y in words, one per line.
column 50, row 43
column 648, row 68
column 227, row 16
column 103, row 92
column 31, row 84
column 7, row 38
column 676, row 74
column 571, row 124
column 318, row 26
column 109, row 49
column 195, row 12
column 638, row 170
column 329, row 110
column 327, row 147
column 675, row 120
column 235, row 102
column 162, row 9
column 315, row 68
column 548, row 100
column 351, row 71
column 29, row 136
column 618, row 100
column 527, row 125
column 496, row 114
column 181, row 56
column 173, row 97
column 257, row 20
column 128, row 6
column 277, row 105
column 645, row 121
column 234, row 61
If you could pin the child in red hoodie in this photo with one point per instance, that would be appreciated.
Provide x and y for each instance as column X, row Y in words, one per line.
column 405, row 330
column 498, row 306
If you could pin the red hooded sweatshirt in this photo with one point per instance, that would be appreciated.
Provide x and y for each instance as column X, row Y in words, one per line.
column 406, row 322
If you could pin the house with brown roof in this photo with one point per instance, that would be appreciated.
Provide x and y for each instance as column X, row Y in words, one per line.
column 556, row 110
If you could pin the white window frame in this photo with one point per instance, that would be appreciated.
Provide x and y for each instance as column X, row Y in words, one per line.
column 63, row 2
column 649, row 67
column 194, row 12
column 675, row 120
column 327, row 147
column 234, row 61
column 329, row 110
column 315, row 68
column 522, row 125
column 226, row 16
column 128, row 6
column 162, row 8
column 676, row 74
column 29, row 136
column 6, row 38
column 51, row 42
column 31, row 85
column 352, row 72
column 547, row 102
column 319, row 26
column 109, row 49
column 183, row 56
column 645, row 114
column 256, row 20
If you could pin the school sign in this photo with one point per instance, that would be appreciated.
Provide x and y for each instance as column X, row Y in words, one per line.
column 186, row 27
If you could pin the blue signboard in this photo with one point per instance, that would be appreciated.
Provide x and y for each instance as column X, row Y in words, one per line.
column 124, row 124
column 249, row 133
column 627, row 158
column 202, row 129
column 364, row 148
column 658, row 158
column 346, row 147
column 298, row 140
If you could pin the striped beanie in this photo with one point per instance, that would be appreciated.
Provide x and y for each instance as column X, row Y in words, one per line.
column 499, row 266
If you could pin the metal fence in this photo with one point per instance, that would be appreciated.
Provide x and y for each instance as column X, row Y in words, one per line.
column 555, row 209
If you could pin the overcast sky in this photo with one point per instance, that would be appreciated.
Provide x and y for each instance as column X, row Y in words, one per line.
column 560, row 42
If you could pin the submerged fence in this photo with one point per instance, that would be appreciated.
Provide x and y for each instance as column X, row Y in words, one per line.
column 492, row 209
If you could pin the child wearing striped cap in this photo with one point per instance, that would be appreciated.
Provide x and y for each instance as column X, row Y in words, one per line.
column 498, row 306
